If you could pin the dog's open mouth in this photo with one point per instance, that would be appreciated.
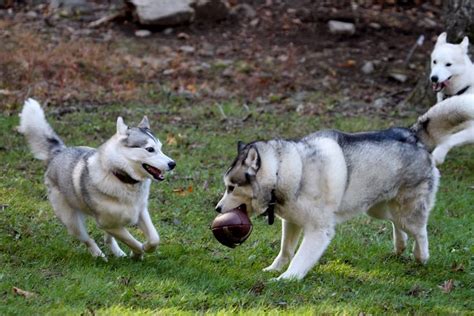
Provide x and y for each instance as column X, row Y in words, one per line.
column 155, row 172
column 438, row 86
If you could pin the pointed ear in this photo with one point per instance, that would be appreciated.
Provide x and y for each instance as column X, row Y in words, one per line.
column 121, row 127
column 465, row 44
column 240, row 146
column 441, row 39
column 144, row 123
column 252, row 161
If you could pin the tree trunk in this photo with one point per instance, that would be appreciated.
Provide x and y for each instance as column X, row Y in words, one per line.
column 458, row 18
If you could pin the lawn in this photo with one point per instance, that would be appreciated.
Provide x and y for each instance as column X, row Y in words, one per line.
column 191, row 272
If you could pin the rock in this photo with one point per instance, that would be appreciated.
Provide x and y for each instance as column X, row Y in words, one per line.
column 244, row 10
column 182, row 36
column 254, row 22
column 168, row 31
column 398, row 76
column 68, row 6
column 31, row 15
column 368, row 67
column 375, row 26
column 228, row 72
column 210, row 10
column 221, row 93
column 380, row 103
column 163, row 12
column 338, row 27
column 187, row 49
column 142, row 33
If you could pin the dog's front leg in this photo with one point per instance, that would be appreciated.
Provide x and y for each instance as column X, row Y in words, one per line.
column 289, row 241
column 461, row 138
column 149, row 230
column 124, row 236
column 312, row 247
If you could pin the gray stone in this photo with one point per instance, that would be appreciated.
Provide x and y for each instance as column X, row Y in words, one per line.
column 338, row 27
column 398, row 77
column 368, row 67
column 380, row 103
column 244, row 10
column 142, row 33
column 187, row 49
column 163, row 12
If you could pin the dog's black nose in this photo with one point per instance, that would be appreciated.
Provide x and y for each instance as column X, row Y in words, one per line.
column 218, row 209
column 171, row 165
column 434, row 79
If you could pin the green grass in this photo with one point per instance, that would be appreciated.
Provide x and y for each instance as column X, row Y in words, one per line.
column 191, row 272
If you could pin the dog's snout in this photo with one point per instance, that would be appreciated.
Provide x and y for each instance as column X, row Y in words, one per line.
column 219, row 209
column 171, row 165
column 434, row 79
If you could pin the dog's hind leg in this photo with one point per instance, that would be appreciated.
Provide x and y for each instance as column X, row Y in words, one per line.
column 124, row 236
column 399, row 239
column 315, row 242
column 289, row 241
column 458, row 139
column 114, row 246
column 146, row 225
column 74, row 221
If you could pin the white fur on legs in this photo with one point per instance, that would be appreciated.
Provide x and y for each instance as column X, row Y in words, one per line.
column 73, row 220
column 399, row 240
column 114, row 246
column 461, row 138
column 315, row 242
column 149, row 230
column 124, row 236
column 289, row 241
column 420, row 249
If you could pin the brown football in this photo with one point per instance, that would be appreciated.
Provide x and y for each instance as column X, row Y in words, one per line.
column 233, row 227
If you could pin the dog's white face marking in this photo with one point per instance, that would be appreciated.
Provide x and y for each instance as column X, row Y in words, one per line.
column 447, row 61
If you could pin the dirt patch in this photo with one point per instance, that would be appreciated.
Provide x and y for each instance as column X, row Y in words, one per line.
column 283, row 57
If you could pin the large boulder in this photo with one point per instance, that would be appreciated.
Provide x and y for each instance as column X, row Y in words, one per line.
column 164, row 12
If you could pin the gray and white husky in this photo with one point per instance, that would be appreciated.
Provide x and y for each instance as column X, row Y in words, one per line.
column 328, row 177
column 110, row 183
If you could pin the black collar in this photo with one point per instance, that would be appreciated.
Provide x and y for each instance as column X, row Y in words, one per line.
column 270, row 212
column 457, row 93
column 124, row 177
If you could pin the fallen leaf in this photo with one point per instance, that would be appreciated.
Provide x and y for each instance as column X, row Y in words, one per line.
column 447, row 286
column 23, row 293
column 457, row 267
column 183, row 191
column 171, row 140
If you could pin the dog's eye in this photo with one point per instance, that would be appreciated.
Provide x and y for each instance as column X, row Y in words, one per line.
column 230, row 188
column 448, row 65
column 150, row 149
column 434, row 61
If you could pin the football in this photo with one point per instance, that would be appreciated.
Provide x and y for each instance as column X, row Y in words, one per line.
column 232, row 228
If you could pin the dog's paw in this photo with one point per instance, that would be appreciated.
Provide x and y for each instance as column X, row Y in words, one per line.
column 439, row 155
column 277, row 264
column 119, row 253
column 150, row 246
column 289, row 276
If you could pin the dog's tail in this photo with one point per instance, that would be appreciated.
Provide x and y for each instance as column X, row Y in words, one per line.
column 43, row 141
column 444, row 118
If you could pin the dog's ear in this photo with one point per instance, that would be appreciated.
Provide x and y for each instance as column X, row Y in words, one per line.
column 144, row 123
column 252, row 161
column 240, row 146
column 441, row 39
column 121, row 127
column 465, row 44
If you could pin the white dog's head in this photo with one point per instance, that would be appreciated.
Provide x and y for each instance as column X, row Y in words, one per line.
column 447, row 61
column 138, row 152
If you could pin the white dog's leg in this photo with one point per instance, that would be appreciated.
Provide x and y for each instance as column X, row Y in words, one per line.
column 460, row 138
column 124, row 236
column 74, row 221
column 114, row 247
column 312, row 247
column 399, row 239
column 289, row 241
column 149, row 230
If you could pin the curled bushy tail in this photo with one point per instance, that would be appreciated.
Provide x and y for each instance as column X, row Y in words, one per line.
column 43, row 141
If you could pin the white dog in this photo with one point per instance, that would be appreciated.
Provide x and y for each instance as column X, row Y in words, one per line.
column 452, row 72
